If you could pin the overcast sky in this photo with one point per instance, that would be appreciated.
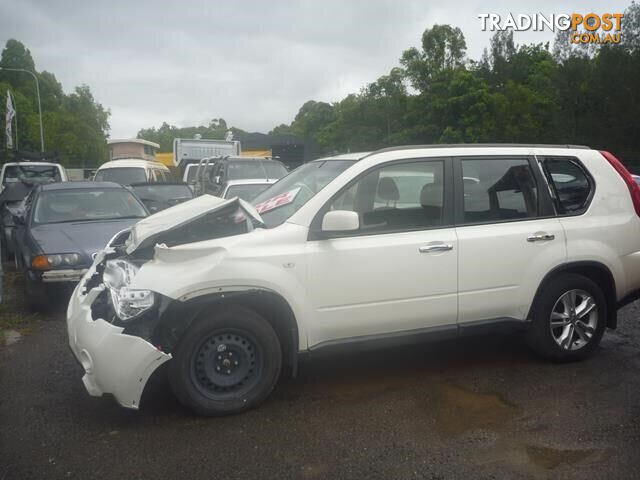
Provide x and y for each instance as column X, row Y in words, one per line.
column 253, row 63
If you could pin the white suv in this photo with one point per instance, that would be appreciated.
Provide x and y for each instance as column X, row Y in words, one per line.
column 361, row 250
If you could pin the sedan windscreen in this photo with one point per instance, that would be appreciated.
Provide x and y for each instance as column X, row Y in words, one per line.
column 82, row 205
column 121, row 175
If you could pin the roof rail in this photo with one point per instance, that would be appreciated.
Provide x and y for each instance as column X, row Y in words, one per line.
column 484, row 145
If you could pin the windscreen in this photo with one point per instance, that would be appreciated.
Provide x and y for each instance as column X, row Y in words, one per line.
column 285, row 197
column 246, row 192
column 15, row 173
column 82, row 205
column 121, row 175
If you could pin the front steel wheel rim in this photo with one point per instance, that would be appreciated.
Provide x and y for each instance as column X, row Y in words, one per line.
column 574, row 319
column 227, row 363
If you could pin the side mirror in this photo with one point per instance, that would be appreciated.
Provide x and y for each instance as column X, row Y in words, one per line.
column 340, row 221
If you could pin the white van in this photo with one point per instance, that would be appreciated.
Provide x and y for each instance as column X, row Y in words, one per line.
column 133, row 170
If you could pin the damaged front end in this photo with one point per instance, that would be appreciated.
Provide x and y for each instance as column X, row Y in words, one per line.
column 121, row 332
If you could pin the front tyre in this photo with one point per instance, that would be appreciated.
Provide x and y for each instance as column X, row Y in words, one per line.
column 37, row 295
column 569, row 319
column 226, row 362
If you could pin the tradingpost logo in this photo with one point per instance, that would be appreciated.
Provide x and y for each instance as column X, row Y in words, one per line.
column 588, row 28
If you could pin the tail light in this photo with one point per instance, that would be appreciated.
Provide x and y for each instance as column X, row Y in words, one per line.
column 634, row 188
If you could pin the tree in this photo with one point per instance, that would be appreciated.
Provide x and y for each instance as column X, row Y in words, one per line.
column 75, row 126
column 631, row 27
column 16, row 55
column 443, row 49
column 218, row 123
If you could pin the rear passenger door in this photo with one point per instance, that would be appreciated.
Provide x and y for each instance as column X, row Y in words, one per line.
column 508, row 236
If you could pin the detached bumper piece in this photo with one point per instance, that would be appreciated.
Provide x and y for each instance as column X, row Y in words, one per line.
column 56, row 276
column 113, row 362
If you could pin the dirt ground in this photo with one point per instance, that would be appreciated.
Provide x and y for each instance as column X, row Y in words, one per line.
column 482, row 407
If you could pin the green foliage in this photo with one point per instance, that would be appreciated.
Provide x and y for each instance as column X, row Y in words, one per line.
column 443, row 50
column 75, row 126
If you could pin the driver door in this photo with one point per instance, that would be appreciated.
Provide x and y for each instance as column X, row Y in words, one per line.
column 398, row 271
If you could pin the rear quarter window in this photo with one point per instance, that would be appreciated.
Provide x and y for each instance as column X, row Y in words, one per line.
column 571, row 184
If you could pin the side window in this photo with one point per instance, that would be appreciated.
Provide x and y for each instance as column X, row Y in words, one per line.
column 497, row 190
column 404, row 196
column 570, row 183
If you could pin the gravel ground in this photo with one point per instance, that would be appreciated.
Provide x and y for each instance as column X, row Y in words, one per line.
column 483, row 407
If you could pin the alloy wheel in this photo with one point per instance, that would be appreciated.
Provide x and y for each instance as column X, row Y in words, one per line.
column 574, row 319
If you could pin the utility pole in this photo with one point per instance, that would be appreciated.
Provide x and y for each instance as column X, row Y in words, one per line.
column 38, row 94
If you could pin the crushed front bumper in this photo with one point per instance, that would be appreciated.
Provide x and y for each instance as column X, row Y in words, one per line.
column 113, row 362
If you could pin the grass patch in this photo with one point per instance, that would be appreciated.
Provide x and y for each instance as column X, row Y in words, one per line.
column 14, row 312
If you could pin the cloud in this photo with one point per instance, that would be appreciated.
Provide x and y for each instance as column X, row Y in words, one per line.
column 253, row 63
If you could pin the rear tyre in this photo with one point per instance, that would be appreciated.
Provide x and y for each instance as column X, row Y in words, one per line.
column 226, row 362
column 569, row 319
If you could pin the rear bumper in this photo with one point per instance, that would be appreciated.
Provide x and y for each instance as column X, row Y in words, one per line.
column 113, row 362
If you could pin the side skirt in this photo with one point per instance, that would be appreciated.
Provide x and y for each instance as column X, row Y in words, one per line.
column 422, row 335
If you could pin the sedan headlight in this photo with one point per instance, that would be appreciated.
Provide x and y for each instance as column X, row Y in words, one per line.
column 127, row 302
column 54, row 260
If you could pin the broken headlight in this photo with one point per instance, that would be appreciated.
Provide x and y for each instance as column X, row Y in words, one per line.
column 127, row 302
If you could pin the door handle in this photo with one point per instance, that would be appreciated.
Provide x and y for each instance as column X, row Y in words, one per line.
column 540, row 237
column 435, row 247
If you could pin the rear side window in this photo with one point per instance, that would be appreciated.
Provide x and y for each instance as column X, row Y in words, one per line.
column 274, row 170
column 570, row 182
column 498, row 190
